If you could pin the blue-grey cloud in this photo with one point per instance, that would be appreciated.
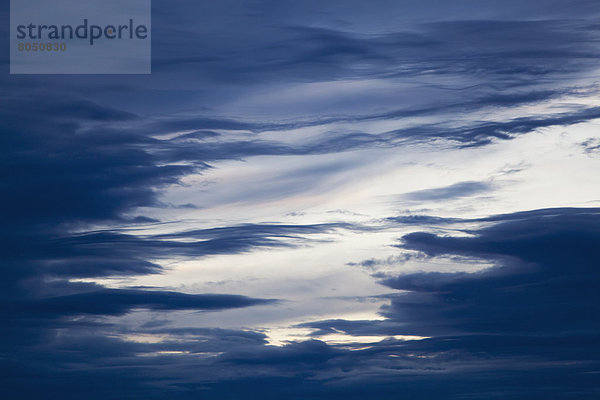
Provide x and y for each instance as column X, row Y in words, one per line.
column 457, row 190
column 81, row 150
column 591, row 145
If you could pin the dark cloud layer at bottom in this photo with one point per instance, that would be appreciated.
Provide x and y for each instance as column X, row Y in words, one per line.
column 524, row 329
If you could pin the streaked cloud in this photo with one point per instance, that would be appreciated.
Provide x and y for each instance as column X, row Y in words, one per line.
column 308, row 200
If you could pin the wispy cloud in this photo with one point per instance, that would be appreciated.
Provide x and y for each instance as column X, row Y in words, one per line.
column 223, row 166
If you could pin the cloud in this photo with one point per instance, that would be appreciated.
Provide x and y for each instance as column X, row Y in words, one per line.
column 457, row 190
column 56, row 174
column 591, row 145
column 543, row 283
column 529, row 314
column 121, row 301
column 113, row 253
column 80, row 153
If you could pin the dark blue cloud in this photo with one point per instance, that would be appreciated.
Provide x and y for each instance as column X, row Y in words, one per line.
column 543, row 283
column 522, row 329
column 83, row 150
column 121, row 301
column 56, row 174
column 107, row 253
column 546, row 282
column 536, row 307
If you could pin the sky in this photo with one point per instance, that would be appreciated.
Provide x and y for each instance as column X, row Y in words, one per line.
column 310, row 200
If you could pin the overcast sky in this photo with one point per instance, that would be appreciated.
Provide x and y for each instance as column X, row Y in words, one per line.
column 310, row 200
